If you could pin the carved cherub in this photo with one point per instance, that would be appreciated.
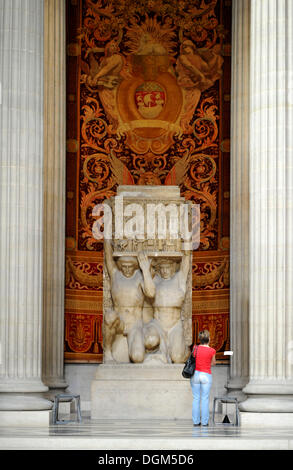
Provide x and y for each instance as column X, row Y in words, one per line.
column 196, row 70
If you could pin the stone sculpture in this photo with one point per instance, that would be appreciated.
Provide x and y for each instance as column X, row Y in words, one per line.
column 147, row 286
column 129, row 285
column 166, row 331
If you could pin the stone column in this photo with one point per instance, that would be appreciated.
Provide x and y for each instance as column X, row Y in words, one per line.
column 270, row 386
column 21, row 204
column 239, row 230
column 54, row 192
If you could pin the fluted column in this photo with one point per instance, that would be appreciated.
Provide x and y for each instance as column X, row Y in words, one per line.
column 54, row 192
column 270, row 386
column 21, row 203
column 239, row 230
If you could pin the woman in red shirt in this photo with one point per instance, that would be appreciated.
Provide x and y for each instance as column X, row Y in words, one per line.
column 201, row 381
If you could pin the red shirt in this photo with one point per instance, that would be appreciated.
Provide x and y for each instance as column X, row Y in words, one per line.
column 204, row 358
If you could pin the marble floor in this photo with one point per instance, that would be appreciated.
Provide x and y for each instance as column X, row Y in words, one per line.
column 133, row 435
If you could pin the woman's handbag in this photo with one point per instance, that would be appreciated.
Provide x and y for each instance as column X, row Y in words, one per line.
column 189, row 366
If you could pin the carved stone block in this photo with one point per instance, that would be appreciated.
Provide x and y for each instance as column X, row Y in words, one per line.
column 147, row 276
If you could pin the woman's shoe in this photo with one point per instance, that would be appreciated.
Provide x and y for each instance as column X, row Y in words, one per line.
column 197, row 424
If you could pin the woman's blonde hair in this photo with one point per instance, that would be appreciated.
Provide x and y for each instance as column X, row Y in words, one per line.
column 204, row 337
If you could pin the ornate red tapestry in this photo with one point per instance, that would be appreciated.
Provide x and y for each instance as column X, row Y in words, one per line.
column 148, row 102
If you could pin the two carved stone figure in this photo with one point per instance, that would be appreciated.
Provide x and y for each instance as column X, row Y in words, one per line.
column 144, row 315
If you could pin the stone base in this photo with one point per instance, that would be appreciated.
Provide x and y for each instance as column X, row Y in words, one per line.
column 266, row 420
column 54, row 383
column 24, row 402
column 139, row 391
column 25, row 418
column 267, row 404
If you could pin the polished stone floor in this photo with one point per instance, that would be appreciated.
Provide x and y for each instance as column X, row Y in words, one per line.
column 133, row 434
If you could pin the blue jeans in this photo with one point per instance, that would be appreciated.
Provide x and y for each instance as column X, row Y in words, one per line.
column 201, row 383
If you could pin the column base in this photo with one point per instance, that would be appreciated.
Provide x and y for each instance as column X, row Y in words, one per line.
column 235, row 389
column 269, row 387
column 55, row 382
column 22, row 386
column 17, row 402
column 268, row 404
column 25, row 418
column 266, row 420
column 268, row 397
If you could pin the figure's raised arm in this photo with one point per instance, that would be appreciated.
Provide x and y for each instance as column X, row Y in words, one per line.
column 185, row 264
column 148, row 286
column 110, row 263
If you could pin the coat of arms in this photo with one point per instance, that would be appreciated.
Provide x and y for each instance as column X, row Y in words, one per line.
column 148, row 94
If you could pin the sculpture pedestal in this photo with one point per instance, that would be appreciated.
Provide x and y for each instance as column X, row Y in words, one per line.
column 140, row 391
